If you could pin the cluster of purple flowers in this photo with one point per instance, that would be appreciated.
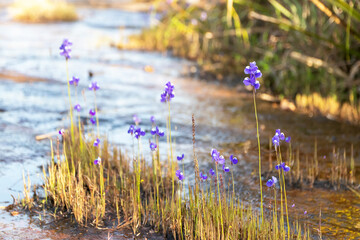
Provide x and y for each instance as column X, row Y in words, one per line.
column 179, row 175
column 136, row 131
column 65, row 49
column 282, row 166
column 168, row 93
column 219, row 159
column 254, row 73
column 156, row 131
column 279, row 136
column 271, row 182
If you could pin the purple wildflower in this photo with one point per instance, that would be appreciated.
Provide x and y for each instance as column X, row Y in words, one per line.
column 233, row 159
column 279, row 136
column 77, row 107
column 305, row 212
column 156, row 131
column 216, row 157
column 96, row 142
column 138, row 132
column 203, row 176
column 254, row 73
column 65, row 49
column 94, row 86
column 287, row 139
column 97, row 161
column 226, row 169
column 136, row 119
column 293, row 205
column 93, row 121
column 92, row 112
column 131, row 129
column 74, row 81
column 203, row 16
column 194, row 22
column 62, row 131
column 152, row 119
column 282, row 165
column 153, row 146
column 271, row 182
column 179, row 175
column 212, row 172
column 168, row 93
column 180, row 157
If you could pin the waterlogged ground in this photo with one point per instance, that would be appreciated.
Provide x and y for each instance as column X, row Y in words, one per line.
column 33, row 101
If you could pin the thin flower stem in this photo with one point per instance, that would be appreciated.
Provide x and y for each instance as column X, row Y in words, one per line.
column 96, row 114
column 278, row 157
column 258, row 140
column 218, row 187
column 286, row 207
column 71, row 110
column 171, row 152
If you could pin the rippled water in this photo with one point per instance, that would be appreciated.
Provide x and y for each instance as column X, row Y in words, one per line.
column 224, row 116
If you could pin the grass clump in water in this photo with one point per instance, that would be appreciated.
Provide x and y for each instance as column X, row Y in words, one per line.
column 42, row 11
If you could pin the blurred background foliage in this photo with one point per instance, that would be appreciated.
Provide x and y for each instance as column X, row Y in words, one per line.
column 302, row 47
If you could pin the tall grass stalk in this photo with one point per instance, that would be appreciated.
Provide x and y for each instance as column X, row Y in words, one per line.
column 258, row 141
column 71, row 108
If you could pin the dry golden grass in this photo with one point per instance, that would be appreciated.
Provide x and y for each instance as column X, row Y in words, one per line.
column 40, row 11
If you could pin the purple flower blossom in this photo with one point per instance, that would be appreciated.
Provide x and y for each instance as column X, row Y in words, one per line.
column 93, row 121
column 138, row 132
column 287, row 139
column 92, row 112
column 203, row 176
column 226, row 169
column 180, row 157
column 233, row 159
column 152, row 119
column 131, row 129
column 97, row 161
column 203, row 16
column 179, row 175
column 136, row 119
column 271, row 182
column 74, row 81
column 168, row 93
column 153, row 146
column 96, row 142
column 65, row 49
column 305, row 212
column 212, row 172
column 94, row 86
column 77, row 107
column 216, row 157
column 293, row 205
column 254, row 73
column 282, row 165
column 156, row 131
column 62, row 131
column 279, row 136
column 194, row 22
